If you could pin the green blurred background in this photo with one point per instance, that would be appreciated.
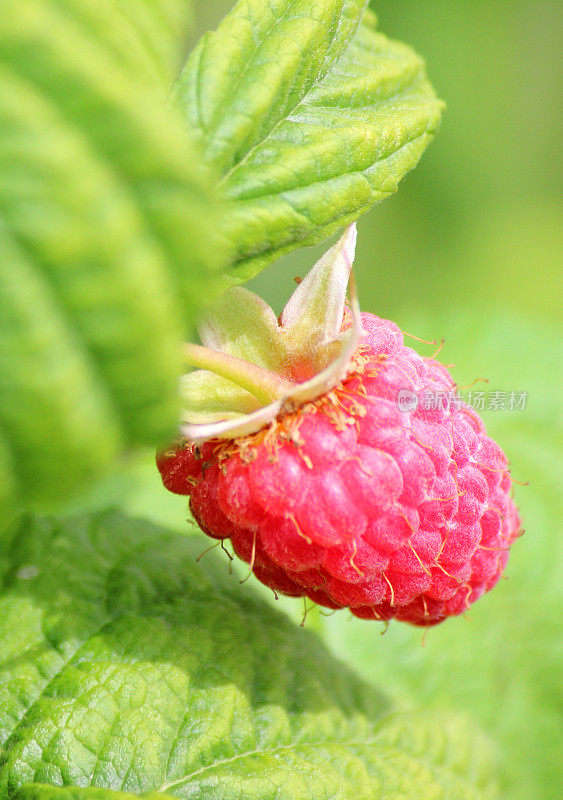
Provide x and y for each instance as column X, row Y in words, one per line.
column 470, row 249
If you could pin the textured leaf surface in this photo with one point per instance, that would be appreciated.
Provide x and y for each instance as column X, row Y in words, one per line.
column 124, row 666
column 106, row 239
column 309, row 118
column 38, row 791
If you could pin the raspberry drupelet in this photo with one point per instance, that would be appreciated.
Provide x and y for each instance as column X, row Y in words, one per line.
column 351, row 501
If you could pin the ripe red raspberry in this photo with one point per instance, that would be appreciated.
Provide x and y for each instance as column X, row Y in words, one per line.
column 353, row 501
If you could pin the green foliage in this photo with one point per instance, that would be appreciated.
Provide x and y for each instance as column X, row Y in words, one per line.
column 124, row 666
column 106, row 239
column 125, row 670
column 310, row 119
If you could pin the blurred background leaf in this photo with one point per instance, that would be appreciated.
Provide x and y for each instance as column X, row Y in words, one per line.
column 162, row 27
column 107, row 238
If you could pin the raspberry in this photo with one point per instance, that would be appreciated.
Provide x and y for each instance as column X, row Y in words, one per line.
column 353, row 503
column 334, row 459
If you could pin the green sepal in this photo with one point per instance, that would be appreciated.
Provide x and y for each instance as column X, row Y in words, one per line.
column 243, row 325
column 252, row 364
column 207, row 397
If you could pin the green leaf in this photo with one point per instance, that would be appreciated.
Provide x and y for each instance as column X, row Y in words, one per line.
column 125, row 666
column 242, row 324
column 309, row 118
column 107, row 245
column 38, row 791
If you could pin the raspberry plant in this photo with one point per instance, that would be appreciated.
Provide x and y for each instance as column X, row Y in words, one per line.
column 134, row 197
